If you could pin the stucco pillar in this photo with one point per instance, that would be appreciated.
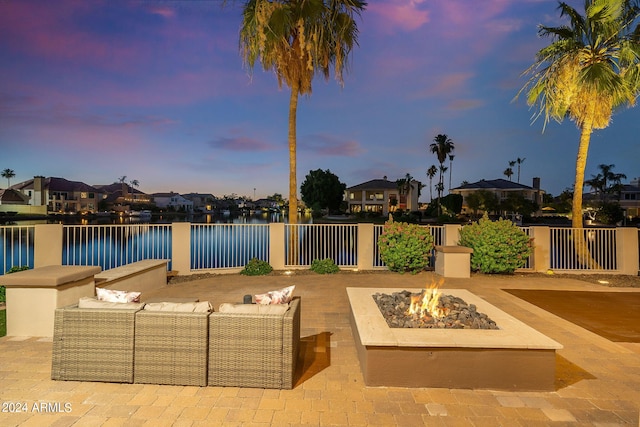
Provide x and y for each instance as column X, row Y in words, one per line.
column 181, row 247
column 541, row 259
column 627, row 250
column 47, row 245
column 365, row 246
column 451, row 234
column 276, row 245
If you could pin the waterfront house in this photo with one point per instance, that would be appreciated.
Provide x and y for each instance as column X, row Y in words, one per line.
column 202, row 202
column 60, row 195
column 172, row 201
column 501, row 188
column 382, row 196
column 122, row 196
column 630, row 198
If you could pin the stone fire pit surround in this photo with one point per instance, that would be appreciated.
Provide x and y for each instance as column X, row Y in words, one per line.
column 514, row 357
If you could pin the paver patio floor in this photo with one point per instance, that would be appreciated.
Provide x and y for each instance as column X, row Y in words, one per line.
column 597, row 380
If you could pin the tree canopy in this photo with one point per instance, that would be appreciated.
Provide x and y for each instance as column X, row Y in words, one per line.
column 322, row 190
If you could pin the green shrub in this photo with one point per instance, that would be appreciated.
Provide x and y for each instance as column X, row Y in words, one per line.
column 498, row 246
column 256, row 267
column 17, row 268
column 3, row 294
column 324, row 266
column 405, row 247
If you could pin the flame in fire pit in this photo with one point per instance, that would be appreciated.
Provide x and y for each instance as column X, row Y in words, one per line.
column 426, row 303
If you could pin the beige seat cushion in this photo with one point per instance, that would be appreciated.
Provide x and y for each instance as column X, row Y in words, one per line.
column 183, row 307
column 86, row 302
column 253, row 308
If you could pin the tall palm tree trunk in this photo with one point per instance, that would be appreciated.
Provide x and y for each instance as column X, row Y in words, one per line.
column 293, row 182
column 581, row 165
column 579, row 236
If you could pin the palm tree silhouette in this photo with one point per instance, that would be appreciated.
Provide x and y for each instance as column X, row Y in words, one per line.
column 591, row 68
column 296, row 39
column 8, row 173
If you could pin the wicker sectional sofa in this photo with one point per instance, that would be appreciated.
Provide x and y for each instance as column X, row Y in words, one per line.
column 178, row 348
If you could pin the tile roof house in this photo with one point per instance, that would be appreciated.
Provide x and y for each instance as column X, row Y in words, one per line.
column 381, row 196
column 120, row 197
column 501, row 188
column 630, row 199
column 172, row 201
column 60, row 195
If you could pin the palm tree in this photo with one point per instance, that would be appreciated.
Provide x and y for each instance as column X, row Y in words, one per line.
column 134, row 183
column 123, row 182
column 296, row 38
column 519, row 161
column 508, row 172
column 597, row 184
column 442, row 146
column 431, row 172
column 609, row 177
column 451, row 157
column 590, row 69
column 8, row 173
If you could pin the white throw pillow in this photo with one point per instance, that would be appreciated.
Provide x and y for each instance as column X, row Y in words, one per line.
column 280, row 296
column 111, row 295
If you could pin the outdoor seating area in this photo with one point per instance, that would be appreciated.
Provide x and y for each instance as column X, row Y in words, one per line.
column 597, row 381
column 135, row 344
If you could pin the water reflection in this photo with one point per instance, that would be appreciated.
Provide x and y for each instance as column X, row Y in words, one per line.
column 257, row 218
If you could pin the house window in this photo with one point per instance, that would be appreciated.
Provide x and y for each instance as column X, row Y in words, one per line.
column 83, row 195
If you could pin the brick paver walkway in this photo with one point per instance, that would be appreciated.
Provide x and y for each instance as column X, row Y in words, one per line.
column 598, row 381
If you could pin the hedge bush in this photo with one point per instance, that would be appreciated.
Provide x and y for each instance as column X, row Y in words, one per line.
column 324, row 266
column 498, row 246
column 405, row 247
column 256, row 267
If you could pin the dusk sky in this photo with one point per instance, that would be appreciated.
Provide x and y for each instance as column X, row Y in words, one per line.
column 157, row 91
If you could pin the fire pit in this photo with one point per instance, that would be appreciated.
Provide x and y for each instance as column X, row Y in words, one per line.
column 512, row 357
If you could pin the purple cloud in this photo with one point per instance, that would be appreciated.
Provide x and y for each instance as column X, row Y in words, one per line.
column 330, row 145
column 240, row 143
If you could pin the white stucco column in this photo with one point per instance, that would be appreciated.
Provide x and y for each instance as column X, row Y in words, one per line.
column 47, row 245
column 181, row 247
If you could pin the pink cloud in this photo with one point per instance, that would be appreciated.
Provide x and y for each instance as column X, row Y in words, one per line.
column 399, row 14
column 329, row 145
column 165, row 12
column 465, row 104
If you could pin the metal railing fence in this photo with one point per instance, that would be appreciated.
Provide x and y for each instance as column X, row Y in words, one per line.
column 110, row 246
column 338, row 242
column 583, row 249
column 529, row 261
column 228, row 245
column 217, row 246
column 17, row 246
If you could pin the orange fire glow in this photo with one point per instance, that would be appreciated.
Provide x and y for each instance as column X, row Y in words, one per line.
column 425, row 304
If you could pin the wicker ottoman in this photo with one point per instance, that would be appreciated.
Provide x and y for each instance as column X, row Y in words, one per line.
column 254, row 350
column 171, row 348
column 93, row 344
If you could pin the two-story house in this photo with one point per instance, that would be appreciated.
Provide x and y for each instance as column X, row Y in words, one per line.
column 382, row 196
column 202, row 202
column 630, row 198
column 501, row 188
column 173, row 201
column 60, row 195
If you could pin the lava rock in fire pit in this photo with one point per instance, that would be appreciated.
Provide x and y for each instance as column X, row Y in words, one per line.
column 455, row 313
